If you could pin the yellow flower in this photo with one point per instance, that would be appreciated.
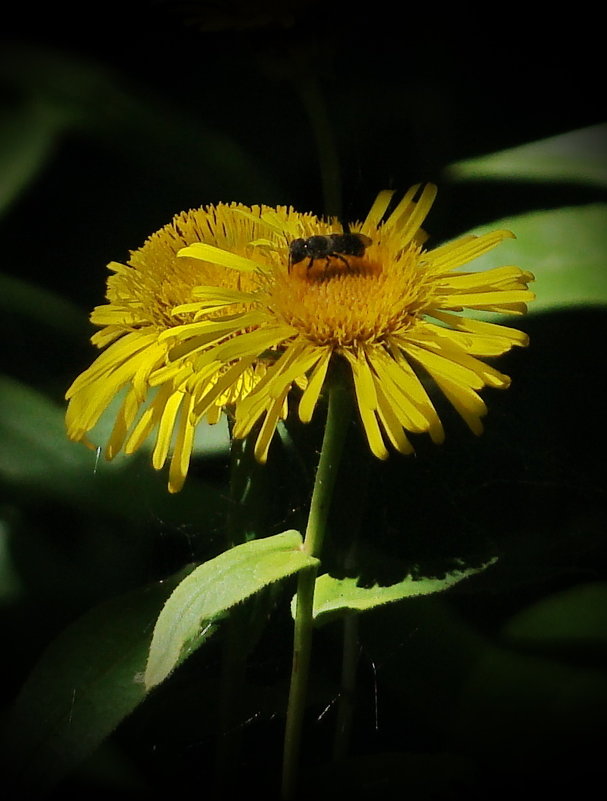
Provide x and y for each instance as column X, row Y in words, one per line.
column 218, row 311
column 158, row 386
column 376, row 299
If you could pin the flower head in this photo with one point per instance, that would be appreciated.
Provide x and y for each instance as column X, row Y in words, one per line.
column 139, row 364
column 387, row 307
column 241, row 308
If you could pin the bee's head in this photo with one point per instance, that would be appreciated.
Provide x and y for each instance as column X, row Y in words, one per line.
column 297, row 250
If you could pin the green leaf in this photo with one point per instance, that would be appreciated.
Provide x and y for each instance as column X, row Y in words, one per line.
column 41, row 306
column 27, row 136
column 546, row 668
column 37, row 457
column 86, row 682
column 216, row 586
column 335, row 597
column 575, row 157
column 565, row 248
column 573, row 617
column 11, row 585
column 98, row 103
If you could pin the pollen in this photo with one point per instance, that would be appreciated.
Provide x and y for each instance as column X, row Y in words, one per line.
column 343, row 303
column 154, row 282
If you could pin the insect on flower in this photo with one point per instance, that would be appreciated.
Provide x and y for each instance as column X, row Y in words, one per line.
column 327, row 247
column 194, row 326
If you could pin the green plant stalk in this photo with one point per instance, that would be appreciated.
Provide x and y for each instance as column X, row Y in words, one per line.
column 338, row 418
column 358, row 484
column 345, row 709
column 247, row 499
column 305, row 74
column 234, row 664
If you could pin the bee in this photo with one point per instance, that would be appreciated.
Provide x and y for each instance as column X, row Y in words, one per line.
column 327, row 247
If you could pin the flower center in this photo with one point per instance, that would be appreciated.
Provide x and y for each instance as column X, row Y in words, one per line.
column 345, row 301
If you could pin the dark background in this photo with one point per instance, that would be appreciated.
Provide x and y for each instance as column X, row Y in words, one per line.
column 404, row 96
column 167, row 106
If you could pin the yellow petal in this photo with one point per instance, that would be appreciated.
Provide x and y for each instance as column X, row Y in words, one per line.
column 482, row 300
column 148, row 420
column 269, row 427
column 466, row 402
column 438, row 365
column 165, row 429
column 414, row 214
column 227, row 379
column 391, row 423
column 124, row 420
column 123, row 350
column 365, row 387
column 474, row 344
column 215, row 255
column 180, row 460
column 377, row 211
column 461, row 251
column 310, row 395
column 513, row 335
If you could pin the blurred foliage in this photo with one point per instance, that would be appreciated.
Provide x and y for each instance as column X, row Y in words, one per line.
column 579, row 157
column 65, row 699
column 110, row 126
column 566, row 247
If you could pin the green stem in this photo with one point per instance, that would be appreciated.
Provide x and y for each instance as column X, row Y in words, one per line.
column 357, row 483
column 247, row 502
column 234, row 664
column 338, row 417
column 322, row 129
column 345, row 709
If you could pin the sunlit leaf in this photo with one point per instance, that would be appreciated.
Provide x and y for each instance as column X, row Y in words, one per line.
column 577, row 157
column 565, row 248
column 86, row 682
column 334, row 597
column 215, row 587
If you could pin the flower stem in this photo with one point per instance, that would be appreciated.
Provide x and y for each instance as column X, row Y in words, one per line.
column 345, row 709
column 338, row 418
column 248, row 499
column 316, row 108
